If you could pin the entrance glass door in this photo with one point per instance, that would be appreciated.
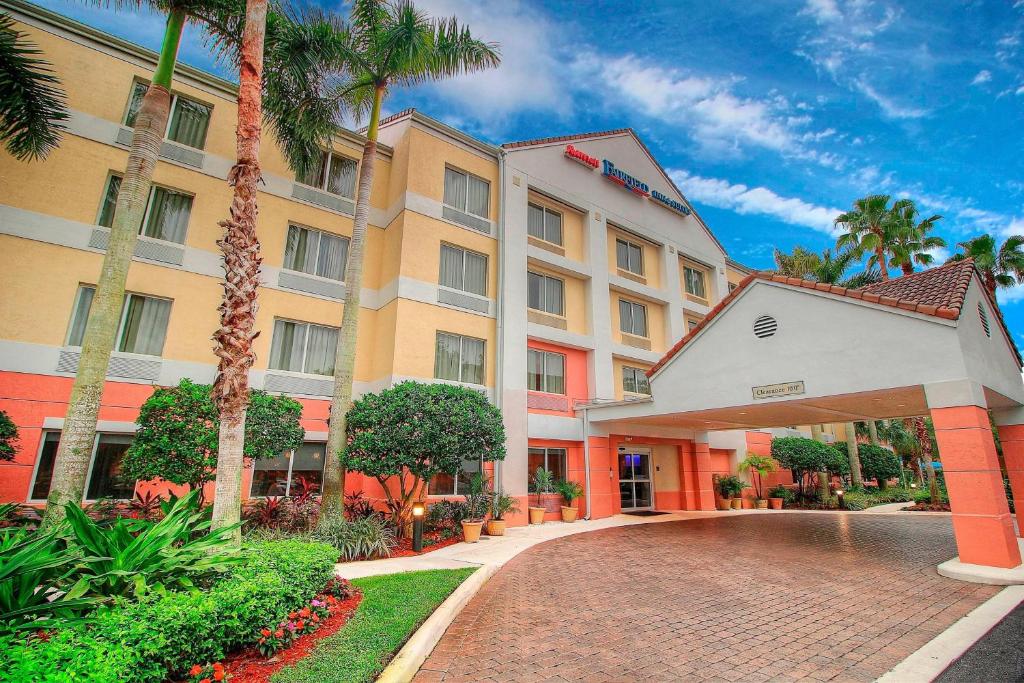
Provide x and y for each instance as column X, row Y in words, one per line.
column 635, row 478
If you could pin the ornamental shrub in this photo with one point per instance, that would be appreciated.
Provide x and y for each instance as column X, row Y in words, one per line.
column 878, row 463
column 8, row 437
column 160, row 636
column 367, row 538
column 178, row 433
column 807, row 456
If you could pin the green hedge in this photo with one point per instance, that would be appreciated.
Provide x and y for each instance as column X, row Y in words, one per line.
column 165, row 635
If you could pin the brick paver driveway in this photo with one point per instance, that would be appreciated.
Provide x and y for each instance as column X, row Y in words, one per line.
column 746, row 598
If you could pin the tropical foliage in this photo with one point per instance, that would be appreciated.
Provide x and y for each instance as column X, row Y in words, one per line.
column 1001, row 265
column 826, row 267
column 367, row 538
column 870, row 228
column 807, row 457
column 502, row 504
column 913, row 242
column 878, row 463
column 8, row 437
column 758, row 466
column 569, row 490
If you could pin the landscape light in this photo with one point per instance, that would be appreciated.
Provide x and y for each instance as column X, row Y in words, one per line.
column 842, row 502
column 419, row 509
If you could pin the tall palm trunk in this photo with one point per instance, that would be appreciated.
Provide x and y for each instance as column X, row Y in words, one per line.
column 880, row 255
column 907, row 267
column 872, row 433
column 925, row 441
column 71, row 466
column 856, row 478
column 818, row 434
column 333, row 502
column 241, row 249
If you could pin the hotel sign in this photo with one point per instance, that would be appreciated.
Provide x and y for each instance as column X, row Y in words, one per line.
column 774, row 390
column 625, row 180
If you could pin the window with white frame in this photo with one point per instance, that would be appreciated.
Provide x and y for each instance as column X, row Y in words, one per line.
column 694, row 280
column 143, row 325
column 466, row 192
column 187, row 124
column 691, row 324
column 545, row 371
column 632, row 318
column 463, row 269
column 545, row 293
column 629, row 256
column 634, row 380
column 303, row 347
column 444, row 484
column 284, row 475
column 166, row 214
column 459, row 358
column 332, row 173
column 315, row 252
column 551, row 459
column 544, row 223
column 105, row 477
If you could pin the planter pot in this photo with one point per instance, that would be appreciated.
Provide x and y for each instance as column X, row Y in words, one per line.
column 569, row 513
column 737, row 503
column 537, row 515
column 761, row 504
column 495, row 527
column 471, row 531
column 724, row 503
column 776, row 503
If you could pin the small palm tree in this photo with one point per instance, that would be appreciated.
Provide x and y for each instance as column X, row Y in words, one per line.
column 32, row 105
column 387, row 45
column 913, row 243
column 1000, row 265
column 870, row 229
column 823, row 267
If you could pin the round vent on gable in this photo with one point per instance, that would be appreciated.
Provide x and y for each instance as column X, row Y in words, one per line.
column 984, row 320
column 765, row 326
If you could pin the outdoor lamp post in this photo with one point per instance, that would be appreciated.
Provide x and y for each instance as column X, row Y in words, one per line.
column 842, row 503
column 418, row 511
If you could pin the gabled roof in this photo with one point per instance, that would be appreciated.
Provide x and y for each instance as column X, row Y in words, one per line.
column 938, row 292
column 439, row 126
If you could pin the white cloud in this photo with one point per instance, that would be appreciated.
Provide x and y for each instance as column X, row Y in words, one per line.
column 755, row 200
column 889, row 108
column 983, row 76
column 823, row 10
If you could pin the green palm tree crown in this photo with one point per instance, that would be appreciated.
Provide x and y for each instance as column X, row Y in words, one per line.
column 1000, row 265
column 913, row 241
column 869, row 228
column 824, row 267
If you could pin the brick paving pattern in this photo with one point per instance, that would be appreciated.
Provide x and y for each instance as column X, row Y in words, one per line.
column 779, row 597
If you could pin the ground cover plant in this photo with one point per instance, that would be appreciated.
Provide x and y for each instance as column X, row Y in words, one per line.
column 393, row 606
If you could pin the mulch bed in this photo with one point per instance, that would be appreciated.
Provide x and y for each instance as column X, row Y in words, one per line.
column 249, row 666
column 404, row 548
column 927, row 507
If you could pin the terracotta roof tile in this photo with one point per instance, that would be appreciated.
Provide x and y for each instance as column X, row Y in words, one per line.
column 566, row 138
column 942, row 286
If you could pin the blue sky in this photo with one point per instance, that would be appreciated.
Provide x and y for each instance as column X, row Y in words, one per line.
column 772, row 116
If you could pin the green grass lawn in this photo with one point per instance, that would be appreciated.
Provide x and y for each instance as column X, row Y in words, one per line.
column 393, row 607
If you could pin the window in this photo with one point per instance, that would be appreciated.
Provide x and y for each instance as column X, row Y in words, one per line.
column 166, row 214
column 629, row 256
column 545, row 293
column 459, row 358
column 694, row 282
column 732, row 287
column 466, row 192
column 303, row 347
column 444, row 484
column 551, row 459
column 634, row 380
column 333, row 173
column 105, row 479
column 691, row 324
column 279, row 476
column 187, row 124
column 544, row 224
column 463, row 269
column 143, row 322
column 316, row 253
column 632, row 318
column 545, row 371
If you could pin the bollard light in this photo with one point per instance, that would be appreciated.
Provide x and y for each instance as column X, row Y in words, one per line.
column 842, row 502
column 418, row 512
column 913, row 485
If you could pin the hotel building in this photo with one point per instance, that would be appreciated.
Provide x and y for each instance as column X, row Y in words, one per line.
column 551, row 274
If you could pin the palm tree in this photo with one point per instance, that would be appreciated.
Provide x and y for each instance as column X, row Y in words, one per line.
column 32, row 105
column 913, row 242
column 388, row 45
column 823, row 267
column 1000, row 265
column 870, row 229
column 801, row 263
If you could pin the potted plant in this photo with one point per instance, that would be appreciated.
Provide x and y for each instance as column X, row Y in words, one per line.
column 758, row 466
column 543, row 483
column 501, row 504
column 724, row 501
column 730, row 487
column 570, row 490
column 779, row 495
column 478, row 501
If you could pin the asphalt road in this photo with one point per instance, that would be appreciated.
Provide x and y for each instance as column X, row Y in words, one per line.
column 997, row 658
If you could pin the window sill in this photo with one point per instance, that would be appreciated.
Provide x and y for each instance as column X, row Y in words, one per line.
column 544, row 318
column 539, row 400
column 311, row 284
column 149, row 248
column 630, row 275
column 459, row 298
column 545, row 245
column 696, row 299
column 301, row 383
column 466, row 220
column 636, row 341
column 122, row 365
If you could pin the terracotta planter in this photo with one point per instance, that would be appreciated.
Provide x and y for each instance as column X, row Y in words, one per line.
column 724, row 503
column 471, row 531
column 737, row 503
column 495, row 527
column 776, row 503
column 569, row 513
column 537, row 515
column 761, row 504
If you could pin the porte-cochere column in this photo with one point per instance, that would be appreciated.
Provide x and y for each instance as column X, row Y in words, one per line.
column 1012, row 439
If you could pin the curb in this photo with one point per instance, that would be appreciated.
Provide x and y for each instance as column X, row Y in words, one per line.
column 416, row 650
column 944, row 649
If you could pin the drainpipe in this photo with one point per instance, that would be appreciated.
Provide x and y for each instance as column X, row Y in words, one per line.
column 499, row 308
column 586, row 458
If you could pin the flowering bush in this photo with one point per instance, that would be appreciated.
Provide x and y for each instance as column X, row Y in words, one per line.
column 304, row 620
column 208, row 673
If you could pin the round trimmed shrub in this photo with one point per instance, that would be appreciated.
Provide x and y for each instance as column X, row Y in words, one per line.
column 878, row 463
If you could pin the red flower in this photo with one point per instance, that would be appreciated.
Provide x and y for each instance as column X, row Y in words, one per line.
column 301, row 625
column 265, row 631
column 206, row 680
column 218, row 675
column 195, row 670
column 292, row 615
column 279, row 633
column 316, row 618
column 304, row 612
column 217, row 666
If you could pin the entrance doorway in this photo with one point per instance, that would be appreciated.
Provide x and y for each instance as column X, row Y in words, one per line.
column 635, row 488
